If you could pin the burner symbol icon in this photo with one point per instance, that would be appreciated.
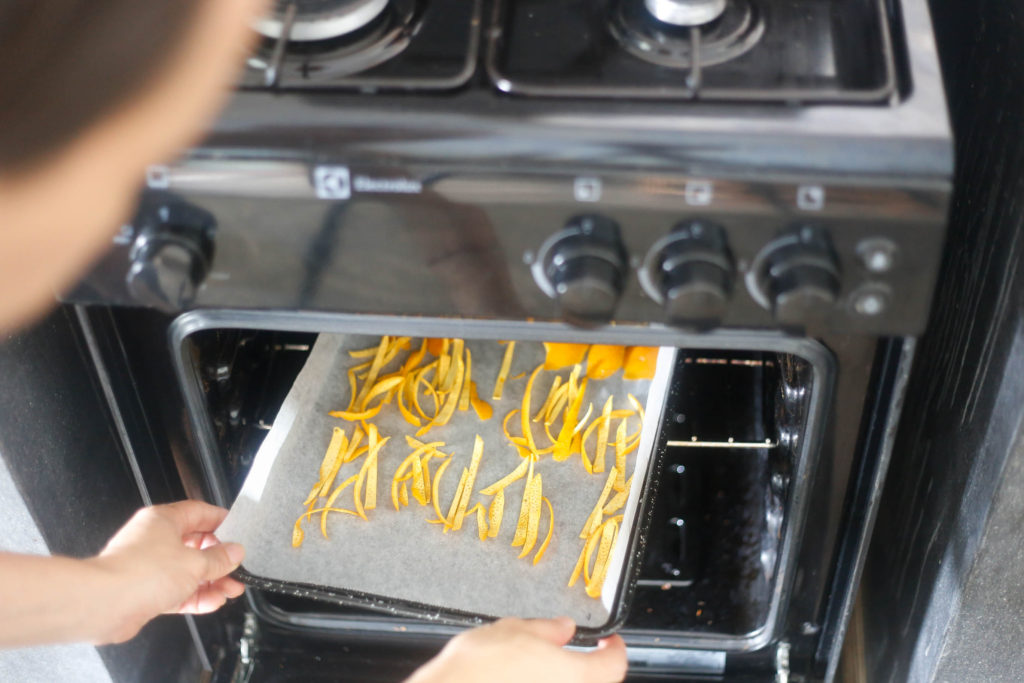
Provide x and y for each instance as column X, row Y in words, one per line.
column 810, row 197
column 587, row 189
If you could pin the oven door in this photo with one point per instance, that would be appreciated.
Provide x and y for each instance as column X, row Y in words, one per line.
column 742, row 429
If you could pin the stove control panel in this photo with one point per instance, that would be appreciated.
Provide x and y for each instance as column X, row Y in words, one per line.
column 634, row 248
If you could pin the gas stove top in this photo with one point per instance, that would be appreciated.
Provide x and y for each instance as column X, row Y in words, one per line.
column 726, row 50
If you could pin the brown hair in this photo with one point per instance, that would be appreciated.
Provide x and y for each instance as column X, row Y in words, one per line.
column 64, row 64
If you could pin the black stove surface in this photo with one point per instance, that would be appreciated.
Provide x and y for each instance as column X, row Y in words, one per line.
column 781, row 50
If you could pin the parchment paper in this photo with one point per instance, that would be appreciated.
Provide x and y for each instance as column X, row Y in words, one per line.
column 398, row 554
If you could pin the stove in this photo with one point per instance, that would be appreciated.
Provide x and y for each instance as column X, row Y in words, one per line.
column 762, row 184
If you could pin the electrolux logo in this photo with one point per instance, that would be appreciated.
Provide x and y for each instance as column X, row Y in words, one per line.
column 364, row 183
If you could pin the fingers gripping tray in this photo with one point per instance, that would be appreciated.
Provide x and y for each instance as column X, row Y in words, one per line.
column 409, row 561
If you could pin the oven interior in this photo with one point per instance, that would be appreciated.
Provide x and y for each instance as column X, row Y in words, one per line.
column 736, row 424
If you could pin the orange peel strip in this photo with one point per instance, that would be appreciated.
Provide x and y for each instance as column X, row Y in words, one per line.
column 594, row 519
column 434, row 495
column 542, row 413
column 403, row 494
column 551, row 528
column 481, row 520
column 370, row 496
column 514, row 475
column 534, row 496
column 449, row 519
column 563, row 443
column 588, row 552
column 524, row 415
column 494, row 513
column 375, row 366
column 330, row 503
column 394, row 493
column 474, row 467
column 580, row 423
column 354, row 416
column 452, row 381
column 444, row 361
column 595, row 583
column 640, row 362
column 339, row 459
column 483, row 409
column 602, row 436
column 451, row 402
column 618, row 500
column 620, row 456
column 636, row 406
column 504, row 425
column 415, row 358
column 524, row 509
column 464, row 390
column 384, row 386
column 297, row 533
column 604, row 360
column 558, row 356
column 406, row 413
column 506, row 365
column 557, row 405
column 419, row 490
column 578, row 569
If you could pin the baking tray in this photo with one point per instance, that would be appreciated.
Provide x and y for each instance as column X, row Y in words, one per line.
column 399, row 564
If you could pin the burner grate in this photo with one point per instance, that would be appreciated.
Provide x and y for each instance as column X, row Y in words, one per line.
column 366, row 45
column 785, row 51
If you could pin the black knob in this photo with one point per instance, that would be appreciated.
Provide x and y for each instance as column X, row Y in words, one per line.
column 799, row 276
column 171, row 256
column 585, row 266
column 694, row 274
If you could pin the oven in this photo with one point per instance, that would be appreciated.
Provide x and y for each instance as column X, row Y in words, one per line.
column 628, row 173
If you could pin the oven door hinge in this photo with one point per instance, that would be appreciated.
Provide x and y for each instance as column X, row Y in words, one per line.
column 782, row 663
column 246, row 650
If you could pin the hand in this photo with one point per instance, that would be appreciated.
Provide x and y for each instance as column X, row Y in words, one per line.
column 517, row 650
column 167, row 560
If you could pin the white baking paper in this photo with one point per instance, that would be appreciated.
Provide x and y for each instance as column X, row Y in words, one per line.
column 398, row 554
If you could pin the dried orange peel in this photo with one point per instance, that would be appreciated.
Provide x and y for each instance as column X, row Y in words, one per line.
column 558, row 356
column 434, row 381
column 506, row 365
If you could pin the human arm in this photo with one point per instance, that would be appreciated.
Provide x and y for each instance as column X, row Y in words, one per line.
column 516, row 650
column 164, row 560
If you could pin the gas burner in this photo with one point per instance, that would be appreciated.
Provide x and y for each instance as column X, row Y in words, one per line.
column 673, row 43
column 686, row 12
column 317, row 20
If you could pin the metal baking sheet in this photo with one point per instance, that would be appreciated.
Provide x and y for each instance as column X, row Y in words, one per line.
column 398, row 556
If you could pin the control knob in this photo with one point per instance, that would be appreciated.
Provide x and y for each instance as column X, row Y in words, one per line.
column 171, row 255
column 691, row 273
column 583, row 268
column 798, row 277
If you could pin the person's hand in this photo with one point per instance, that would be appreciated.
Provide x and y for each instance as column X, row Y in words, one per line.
column 517, row 650
column 167, row 560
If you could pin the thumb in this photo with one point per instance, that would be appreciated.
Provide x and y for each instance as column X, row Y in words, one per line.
column 557, row 631
column 220, row 560
column 607, row 662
